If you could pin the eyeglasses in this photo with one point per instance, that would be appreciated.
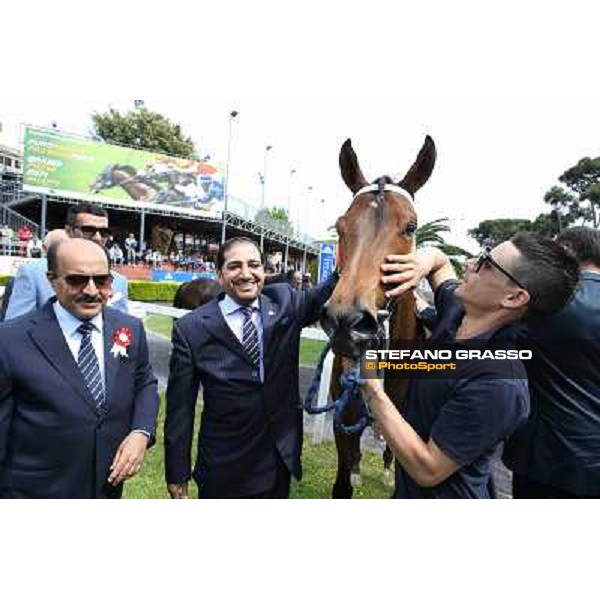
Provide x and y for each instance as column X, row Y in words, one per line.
column 88, row 231
column 485, row 256
column 80, row 282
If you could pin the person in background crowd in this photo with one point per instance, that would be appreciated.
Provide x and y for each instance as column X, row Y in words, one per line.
column 34, row 247
column 31, row 288
column 6, row 239
column 131, row 246
column 306, row 282
column 295, row 280
column 24, row 235
column 243, row 348
column 75, row 418
column 557, row 453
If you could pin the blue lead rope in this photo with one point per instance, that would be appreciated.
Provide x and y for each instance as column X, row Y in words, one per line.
column 350, row 382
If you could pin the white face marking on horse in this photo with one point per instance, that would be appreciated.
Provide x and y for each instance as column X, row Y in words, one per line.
column 373, row 204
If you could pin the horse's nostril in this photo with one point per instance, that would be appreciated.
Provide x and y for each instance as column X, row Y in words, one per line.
column 362, row 323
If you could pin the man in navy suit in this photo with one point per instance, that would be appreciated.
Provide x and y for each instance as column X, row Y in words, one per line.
column 31, row 288
column 78, row 399
column 243, row 347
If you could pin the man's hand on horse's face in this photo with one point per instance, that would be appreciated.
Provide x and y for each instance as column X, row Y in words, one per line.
column 401, row 273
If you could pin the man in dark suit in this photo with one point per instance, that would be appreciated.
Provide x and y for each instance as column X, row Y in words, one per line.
column 78, row 399
column 243, row 348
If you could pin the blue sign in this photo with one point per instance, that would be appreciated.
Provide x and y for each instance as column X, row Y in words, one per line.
column 180, row 276
column 326, row 261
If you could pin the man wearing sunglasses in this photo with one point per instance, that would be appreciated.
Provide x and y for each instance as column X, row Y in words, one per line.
column 31, row 288
column 78, row 399
column 449, row 428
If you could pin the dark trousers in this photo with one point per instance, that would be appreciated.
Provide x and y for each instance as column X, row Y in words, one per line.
column 524, row 488
column 281, row 487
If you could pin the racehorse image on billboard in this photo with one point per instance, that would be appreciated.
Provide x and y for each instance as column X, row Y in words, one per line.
column 127, row 177
column 380, row 221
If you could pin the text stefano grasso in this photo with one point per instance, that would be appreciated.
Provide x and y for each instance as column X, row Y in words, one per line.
column 122, row 339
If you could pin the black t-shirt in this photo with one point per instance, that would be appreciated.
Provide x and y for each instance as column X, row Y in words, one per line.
column 467, row 413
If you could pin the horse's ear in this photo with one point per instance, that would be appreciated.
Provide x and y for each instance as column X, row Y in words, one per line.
column 419, row 173
column 351, row 173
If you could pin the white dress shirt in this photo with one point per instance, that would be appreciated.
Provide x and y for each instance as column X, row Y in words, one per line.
column 69, row 324
column 234, row 318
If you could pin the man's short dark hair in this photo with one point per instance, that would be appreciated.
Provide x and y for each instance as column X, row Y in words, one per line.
column 234, row 242
column 84, row 209
column 584, row 242
column 548, row 271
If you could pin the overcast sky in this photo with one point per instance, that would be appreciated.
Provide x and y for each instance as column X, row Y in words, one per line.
column 508, row 90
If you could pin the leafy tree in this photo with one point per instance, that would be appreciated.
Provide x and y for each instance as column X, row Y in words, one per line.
column 495, row 231
column 275, row 218
column 581, row 200
column 143, row 129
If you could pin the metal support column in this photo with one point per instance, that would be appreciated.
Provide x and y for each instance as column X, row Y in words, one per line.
column 142, row 231
column 285, row 260
column 304, row 262
column 44, row 210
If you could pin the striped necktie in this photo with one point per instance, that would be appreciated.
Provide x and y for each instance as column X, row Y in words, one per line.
column 89, row 365
column 250, row 335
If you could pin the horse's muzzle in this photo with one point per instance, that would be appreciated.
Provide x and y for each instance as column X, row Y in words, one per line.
column 350, row 333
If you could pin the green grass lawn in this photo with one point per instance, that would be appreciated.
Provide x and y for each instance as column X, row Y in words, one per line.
column 319, row 466
column 310, row 350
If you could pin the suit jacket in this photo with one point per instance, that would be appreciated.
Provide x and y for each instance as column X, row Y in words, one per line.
column 53, row 441
column 246, row 424
column 32, row 289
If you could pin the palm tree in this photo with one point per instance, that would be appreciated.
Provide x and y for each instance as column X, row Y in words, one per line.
column 431, row 234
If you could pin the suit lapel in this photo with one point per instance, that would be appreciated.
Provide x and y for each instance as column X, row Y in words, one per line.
column 216, row 325
column 48, row 337
column 111, row 363
column 268, row 312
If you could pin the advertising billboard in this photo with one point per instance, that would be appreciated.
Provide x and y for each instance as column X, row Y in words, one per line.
column 56, row 163
column 326, row 261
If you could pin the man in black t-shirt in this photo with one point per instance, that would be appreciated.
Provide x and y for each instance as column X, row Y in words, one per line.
column 445, row 437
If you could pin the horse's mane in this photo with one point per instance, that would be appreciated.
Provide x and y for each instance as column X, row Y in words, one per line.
column 127, row 168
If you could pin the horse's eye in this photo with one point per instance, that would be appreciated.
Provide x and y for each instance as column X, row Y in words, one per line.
column 410, row 229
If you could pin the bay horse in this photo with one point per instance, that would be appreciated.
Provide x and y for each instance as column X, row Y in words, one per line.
column 127, row 177
column 380, row 221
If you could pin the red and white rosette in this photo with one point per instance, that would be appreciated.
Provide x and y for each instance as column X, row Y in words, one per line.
column 122, row 339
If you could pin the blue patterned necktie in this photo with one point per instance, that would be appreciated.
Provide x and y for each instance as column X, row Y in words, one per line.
column 250, row 335
column 89, row 365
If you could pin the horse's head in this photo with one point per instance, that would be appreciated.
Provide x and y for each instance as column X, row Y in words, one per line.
column 381, row 220
column 105, row 180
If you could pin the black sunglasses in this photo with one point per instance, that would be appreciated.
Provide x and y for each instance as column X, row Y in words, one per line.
column 88, row 231
column 80, row 282
column 485, row 256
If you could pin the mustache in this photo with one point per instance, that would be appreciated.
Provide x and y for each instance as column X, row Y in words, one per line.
column 87, row 299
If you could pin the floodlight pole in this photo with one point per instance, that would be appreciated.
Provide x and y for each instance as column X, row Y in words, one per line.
column 232, row 115
column 264, row 177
